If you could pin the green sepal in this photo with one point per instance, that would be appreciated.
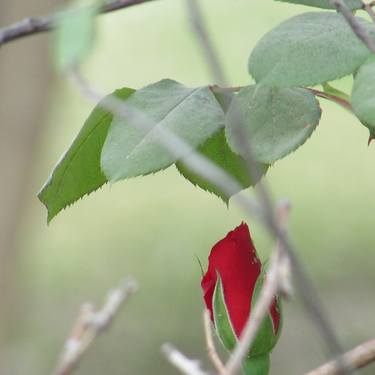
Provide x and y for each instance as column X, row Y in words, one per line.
column 223, row 324
column 259, row 365
column 266, row 338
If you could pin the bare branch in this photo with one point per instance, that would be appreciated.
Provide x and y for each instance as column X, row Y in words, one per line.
column 211, row 350
column 354, row 24
column 208, row 48
column 89, row 325
column 359, row 357
column 35, row 25
column 186, row 365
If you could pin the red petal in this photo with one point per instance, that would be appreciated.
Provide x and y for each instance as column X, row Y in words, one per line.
column 235, row 259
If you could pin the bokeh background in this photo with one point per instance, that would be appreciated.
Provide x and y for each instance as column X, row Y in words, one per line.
column 154, row 227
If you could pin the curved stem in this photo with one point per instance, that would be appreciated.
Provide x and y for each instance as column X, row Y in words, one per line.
column 333, row 98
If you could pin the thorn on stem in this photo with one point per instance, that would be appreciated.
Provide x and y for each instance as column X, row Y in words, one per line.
column 370, row 139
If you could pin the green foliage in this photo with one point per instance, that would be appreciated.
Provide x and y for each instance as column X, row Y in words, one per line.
column 326, row 4
column 363, row 95
column 308, row 49
column 78, row 172
column 217, row 150
column 74, row 35
column 311, row 48
column 222, row 320
column 276, row 121
column 192, row 114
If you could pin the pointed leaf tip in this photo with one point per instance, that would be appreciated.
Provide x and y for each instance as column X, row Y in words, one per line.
column 78, row 172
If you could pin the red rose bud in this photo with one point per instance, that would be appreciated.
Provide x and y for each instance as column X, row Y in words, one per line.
column 231, row 287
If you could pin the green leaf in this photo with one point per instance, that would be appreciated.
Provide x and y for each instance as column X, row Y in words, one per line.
column 276, row 121
column 74, row 35
column 363, row 95
column 309, row 49
column 326, row 4
column 222, row 320
column 192, row 114
column 78, row 172
column 217, row 150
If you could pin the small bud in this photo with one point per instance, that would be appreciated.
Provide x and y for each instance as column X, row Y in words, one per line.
column 231, row 288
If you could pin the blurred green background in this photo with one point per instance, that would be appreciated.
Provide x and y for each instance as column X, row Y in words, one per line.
column 153, row 227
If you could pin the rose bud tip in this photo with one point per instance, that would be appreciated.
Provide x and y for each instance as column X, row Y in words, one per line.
column 231, row 287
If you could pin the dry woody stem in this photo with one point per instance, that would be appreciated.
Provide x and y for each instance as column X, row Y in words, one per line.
column 36, row 25
column 186, row 365
column 211, row 350
column 91, row 324
column 358, row 358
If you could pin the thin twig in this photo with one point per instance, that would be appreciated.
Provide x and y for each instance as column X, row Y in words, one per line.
column 357, row 28
column 208, row 48
column 186, row 365
column 35, row 25
column 211, row 350
column 358, row 358
column 333, row 98
column 89, row 325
